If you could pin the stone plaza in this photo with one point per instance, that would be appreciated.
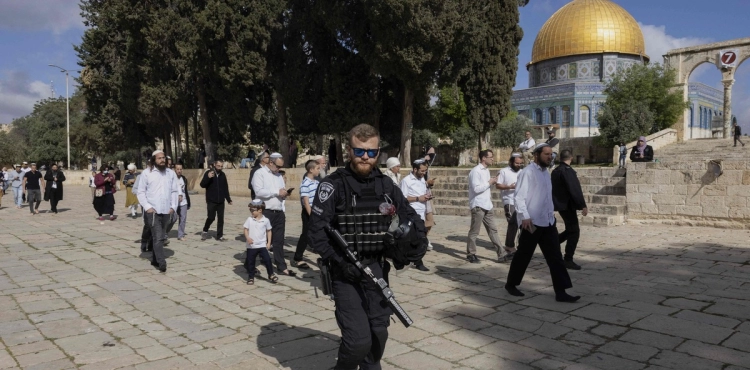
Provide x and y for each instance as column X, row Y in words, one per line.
column 76, row 293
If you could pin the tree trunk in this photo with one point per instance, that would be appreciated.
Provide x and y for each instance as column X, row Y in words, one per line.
column 339, row 154
column 283, row 129
column 203, row 113
column 187, row 143
column 376, row 102
column 406, row 126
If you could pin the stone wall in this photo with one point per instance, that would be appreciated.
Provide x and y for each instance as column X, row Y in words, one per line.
column 657, row 141
column 690, row 193
column 236, row 178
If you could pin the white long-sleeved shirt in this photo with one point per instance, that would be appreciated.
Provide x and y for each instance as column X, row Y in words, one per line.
column 527, row 144
column 266, row 185
column 534, row 196
column 411, row 186
column 158, row 190
column 479, row 188
column 507, row 177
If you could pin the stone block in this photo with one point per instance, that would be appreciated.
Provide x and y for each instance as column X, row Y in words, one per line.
column 683, row 328
column 662, row 177
column 667, row 209
column 666, row 189
column 648, row 188
column 680, row 189
column 746, row 176
column 739, row 212
column 668, row 199
column 649, row 209
column 715, row 190
column 738, row 190
column 634, row 197
column 689, row 210
column 730, row 178
column 715, row 211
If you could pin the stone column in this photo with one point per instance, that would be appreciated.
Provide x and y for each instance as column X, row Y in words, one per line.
column 727, row 106
column 682, row 124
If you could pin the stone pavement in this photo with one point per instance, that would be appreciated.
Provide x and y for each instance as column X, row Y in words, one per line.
column 75, row 292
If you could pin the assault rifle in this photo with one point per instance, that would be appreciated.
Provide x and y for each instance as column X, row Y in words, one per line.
column 385, row 291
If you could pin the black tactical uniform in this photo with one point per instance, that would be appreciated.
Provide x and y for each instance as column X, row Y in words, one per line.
column 350, row 204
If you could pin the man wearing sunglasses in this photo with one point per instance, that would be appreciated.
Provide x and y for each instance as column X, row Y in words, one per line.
column 360, row 202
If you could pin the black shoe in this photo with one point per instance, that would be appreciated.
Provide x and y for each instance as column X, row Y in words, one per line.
column 155, row 264
column 204, row 235
column 570, row 265
column 514, row 291
column 565, row 297
column 473, row 258
column 166, row 242
column 422, row 268
column 163, row 269
column 222, row 239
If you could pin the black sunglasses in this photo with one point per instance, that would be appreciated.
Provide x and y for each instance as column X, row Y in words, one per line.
column 371, row 153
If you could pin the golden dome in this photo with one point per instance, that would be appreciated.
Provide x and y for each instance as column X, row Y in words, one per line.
column 588, row 27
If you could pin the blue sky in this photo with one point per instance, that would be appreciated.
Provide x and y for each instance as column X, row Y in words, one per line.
column 35, row 33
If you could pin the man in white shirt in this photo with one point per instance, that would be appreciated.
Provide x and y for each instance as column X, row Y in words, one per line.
column 270, row 187
column 480, row 203
column 158, row 193
column 184, row 200
column 527, row 147
column 536, row 218
column 506, row 182
column 414, row 189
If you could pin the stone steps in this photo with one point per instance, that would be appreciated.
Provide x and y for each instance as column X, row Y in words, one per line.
column 603, row 187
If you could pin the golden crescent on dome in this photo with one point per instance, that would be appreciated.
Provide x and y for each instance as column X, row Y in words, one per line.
column 589, row 27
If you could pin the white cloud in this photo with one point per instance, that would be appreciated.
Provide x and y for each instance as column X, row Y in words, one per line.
column 36, row 15
column 18, row 94
column 658, row 42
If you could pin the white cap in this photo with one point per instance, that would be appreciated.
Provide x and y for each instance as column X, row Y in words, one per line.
column 25, row 162
column 157, row 152
column 392, row 162
column 275, row 155
column 131, row 166
column 256, row 203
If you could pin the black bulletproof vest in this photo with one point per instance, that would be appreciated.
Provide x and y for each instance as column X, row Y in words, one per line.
column 362, row 224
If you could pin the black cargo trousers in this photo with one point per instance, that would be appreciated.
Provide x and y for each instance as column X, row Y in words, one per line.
column 363, row 317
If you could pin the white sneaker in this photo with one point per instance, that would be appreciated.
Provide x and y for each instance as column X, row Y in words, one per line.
column 429, row 246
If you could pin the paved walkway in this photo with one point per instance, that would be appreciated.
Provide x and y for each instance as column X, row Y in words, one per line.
column 75, row 292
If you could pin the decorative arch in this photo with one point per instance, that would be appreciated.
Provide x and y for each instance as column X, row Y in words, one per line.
column 686, row 60
column 538, row 116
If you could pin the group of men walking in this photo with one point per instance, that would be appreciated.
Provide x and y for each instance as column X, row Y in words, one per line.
column 530, row 196
column 30, row 185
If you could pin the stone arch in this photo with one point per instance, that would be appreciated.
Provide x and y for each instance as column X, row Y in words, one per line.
column 686, row 60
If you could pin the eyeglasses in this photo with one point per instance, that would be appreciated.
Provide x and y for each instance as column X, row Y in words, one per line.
column 371, row 153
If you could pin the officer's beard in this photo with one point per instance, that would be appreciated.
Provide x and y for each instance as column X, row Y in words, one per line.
column 361, row 167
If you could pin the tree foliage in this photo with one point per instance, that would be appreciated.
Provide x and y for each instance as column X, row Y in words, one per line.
column 487, row 58
column 624, row 123
column 648, row 85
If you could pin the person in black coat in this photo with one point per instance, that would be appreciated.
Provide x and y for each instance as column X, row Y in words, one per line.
column 642, row 152
column 217, row 191
column 53, row 191
column 567, row 197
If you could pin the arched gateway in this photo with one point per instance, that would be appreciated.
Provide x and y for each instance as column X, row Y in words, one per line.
column 726, row 55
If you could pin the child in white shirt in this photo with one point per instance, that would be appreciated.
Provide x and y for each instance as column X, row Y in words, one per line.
column 258, row 237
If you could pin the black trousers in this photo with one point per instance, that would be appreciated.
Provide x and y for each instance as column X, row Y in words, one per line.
column 155, row 230
column 54, row 198
column 278, row 228
column 548, row 242
column 214, row 209
column 363, row 317
column 303, row 242
column 571, row 234
column 251, row 255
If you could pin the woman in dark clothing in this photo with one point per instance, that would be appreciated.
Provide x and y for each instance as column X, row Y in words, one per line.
column 106, row 187
column 53, row 191
column 642, row 152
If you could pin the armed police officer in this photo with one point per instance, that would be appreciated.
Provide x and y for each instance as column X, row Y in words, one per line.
column 360, row 202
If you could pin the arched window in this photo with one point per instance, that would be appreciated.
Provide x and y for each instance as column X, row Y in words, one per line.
column 585, row 113
column 538, row 116
column 566, row 115
column 552, row 115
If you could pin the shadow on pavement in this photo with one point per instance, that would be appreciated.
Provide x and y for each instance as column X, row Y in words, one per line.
column 298, row 348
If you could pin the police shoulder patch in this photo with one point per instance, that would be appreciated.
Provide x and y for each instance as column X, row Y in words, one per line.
column 325, row 190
